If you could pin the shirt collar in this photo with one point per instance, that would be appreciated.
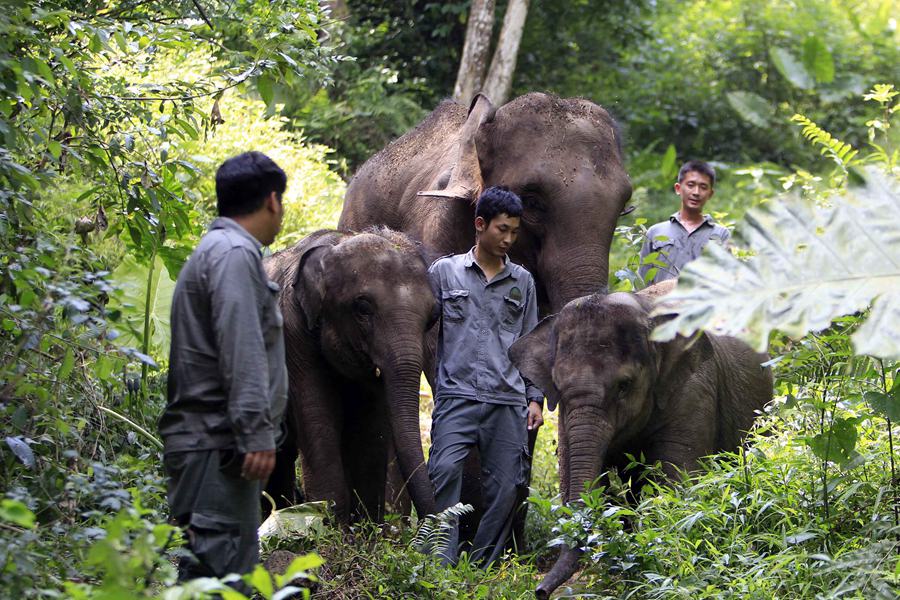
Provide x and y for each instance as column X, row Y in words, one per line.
column 676, row 216
column 232, row 225
column 469, row 262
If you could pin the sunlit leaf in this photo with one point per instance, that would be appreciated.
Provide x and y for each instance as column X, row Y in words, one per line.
column 751, row 107
column 818, row 60
column 791, row 68
column 13, row 511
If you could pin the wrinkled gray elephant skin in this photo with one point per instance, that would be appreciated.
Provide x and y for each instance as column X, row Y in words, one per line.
column 356, row 311
column 620, row 393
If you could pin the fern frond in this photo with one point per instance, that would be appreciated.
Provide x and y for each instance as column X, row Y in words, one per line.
column 841, row 152
column 434, row 530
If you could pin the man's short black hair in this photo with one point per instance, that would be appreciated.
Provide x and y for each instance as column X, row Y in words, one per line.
column 243, row 182
column 498, row 200
column 697, row 166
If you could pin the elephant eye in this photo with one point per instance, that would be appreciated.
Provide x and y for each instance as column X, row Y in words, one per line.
column 363, row 307
column 623, row 387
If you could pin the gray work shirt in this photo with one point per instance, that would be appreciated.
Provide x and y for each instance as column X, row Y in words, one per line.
column 227, row 375
column 479, row 322
column 676, row 246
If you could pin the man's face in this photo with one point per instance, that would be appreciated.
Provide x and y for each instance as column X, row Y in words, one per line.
column 695, row 189
column 496, row 238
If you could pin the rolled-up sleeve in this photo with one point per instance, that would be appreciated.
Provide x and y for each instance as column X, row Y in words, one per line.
column 529, row 322
column 237, row 312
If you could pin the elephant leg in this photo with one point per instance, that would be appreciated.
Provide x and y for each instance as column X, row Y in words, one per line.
column 318, row 422
column 365, row 448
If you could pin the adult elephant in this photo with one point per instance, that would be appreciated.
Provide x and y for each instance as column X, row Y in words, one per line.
column 563, row 157
column 356, row 310
column 622, row 394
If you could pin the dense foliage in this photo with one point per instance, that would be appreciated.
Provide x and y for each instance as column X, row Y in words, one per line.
column 114, row 115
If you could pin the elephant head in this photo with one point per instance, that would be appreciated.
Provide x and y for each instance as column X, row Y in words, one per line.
column 367, row 300
column 563, row 158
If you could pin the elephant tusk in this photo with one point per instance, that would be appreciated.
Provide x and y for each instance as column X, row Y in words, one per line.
column 377, row 372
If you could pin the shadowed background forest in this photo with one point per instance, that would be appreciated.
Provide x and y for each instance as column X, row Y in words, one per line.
column 115, row 114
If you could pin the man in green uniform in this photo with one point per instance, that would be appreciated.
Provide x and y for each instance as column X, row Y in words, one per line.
column 227, row 384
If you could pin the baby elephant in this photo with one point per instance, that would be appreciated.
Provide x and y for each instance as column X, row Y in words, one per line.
column 356, row 309
column 621, row 393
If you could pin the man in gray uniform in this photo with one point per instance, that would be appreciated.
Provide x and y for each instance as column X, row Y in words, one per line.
column 227, row 385
column 681, row 239
column 487, row 303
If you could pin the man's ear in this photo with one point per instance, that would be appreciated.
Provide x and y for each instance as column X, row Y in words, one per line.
column 480, row 224
column 534, row 354
column 309, row 282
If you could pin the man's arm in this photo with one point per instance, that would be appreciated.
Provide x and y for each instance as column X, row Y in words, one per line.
column 534, row 395
column 235, row 288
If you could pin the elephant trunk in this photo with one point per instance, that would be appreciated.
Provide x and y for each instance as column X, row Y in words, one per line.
column 402, row 378
column 585, row 271
column 588, row 434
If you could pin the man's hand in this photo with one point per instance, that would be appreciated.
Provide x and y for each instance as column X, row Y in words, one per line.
column 258, row 465
column 535, row 416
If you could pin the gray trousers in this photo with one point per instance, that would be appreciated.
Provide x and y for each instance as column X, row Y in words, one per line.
column 218, row 509
column 499, row 431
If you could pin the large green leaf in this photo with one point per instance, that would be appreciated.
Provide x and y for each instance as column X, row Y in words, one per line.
column 751, row 107
column 818, row 60
column 791, row 68
column 131, row 276
column 811, row 264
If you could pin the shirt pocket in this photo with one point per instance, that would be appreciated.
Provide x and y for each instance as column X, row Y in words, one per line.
column 511, row 314
column 454, row 304
column 662, row 246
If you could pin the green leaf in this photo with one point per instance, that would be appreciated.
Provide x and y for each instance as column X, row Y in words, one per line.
column 65, row 368
column 262, row 581
column 55, row 149
column 812, row 264
column 132, row 278
column 887, row 405
column 791, row 68
column 836, row 444
column 668, row 168
column 13, row 511
column 818, row 60
column 264, row 87
column 751, row 107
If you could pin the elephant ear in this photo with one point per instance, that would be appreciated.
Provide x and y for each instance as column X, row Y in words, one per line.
column 533, row 355
column 463, row 180
column 309, row 282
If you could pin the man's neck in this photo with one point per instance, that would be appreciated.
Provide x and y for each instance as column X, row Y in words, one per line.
column 491, row 265
column 252, row 225
column 692, row 218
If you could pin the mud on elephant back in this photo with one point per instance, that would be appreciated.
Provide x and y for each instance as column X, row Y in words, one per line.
column 356, row 309
column 621, row 393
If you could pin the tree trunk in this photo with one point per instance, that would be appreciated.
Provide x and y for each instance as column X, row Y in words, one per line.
column 475, row 51
column 503, row 65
